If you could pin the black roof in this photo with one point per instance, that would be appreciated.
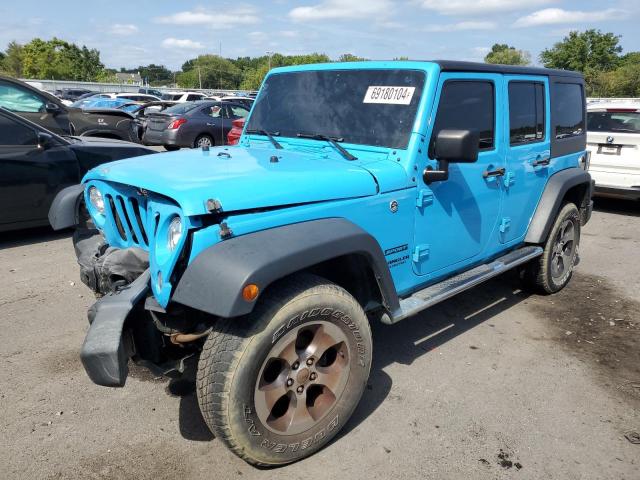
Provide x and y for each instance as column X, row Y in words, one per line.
column 456, row 66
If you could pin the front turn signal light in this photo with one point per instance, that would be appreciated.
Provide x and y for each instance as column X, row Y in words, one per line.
column 250, row 292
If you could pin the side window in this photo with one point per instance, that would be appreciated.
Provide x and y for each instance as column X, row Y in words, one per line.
column 19, row 100
column 526, row 112
column 467, row 105
column 568, row 110
column 13, row 133
column 238, row 112
column 215, row 111
column 192, row 98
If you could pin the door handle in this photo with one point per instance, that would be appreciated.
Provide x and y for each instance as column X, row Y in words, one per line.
column 493, row 173
column 211, row 124
column 541, row 162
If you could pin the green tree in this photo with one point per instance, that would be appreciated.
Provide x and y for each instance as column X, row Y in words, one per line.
column 586, row 51
column 59, row 60
column 348, row 57
column 12, row 63
column 503, row 54
column 213, row 71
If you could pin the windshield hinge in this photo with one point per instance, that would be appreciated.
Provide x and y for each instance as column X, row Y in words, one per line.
column 425, row 197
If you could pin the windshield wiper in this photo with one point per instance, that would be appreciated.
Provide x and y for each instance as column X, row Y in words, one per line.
column 267, row 134
column 332, row 140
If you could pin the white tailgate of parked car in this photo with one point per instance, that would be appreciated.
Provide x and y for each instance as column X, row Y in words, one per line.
column 613, row 138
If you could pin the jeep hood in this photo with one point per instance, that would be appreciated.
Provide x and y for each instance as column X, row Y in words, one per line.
column 240, row 178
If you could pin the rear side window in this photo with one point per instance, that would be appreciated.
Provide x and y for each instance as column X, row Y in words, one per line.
column 14, row 133
column 568, row 110
column 191, row 98
column 526, row 112
column 467, row 105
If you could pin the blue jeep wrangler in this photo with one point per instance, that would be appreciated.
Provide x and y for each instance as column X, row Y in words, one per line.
column 358, row 192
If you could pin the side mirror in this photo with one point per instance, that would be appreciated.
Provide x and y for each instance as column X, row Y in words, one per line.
column 45, row 141
column 51, row 107
column 452, row 146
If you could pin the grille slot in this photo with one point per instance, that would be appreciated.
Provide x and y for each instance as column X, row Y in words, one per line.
column 128, row 216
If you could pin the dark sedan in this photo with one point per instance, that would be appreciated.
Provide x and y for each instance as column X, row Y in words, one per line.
column 36, row 164
column 192, row 124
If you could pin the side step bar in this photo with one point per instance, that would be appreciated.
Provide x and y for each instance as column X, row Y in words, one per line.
column 445, row 289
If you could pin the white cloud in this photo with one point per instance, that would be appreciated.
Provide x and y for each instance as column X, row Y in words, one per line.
column 123, row 29
column 339, row 9
column 467, row 7
column 552, row 16
column 226, row 19
column 460, row 26
column 182, row 43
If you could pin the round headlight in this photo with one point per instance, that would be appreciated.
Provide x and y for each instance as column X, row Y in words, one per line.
column 174, row 233
column 96, row 199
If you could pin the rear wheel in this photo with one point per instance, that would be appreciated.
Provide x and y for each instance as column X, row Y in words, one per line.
column 277, row 386
column 551, row 272
column 203, row 140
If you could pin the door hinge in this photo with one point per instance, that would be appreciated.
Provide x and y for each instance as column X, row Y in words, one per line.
column 509, row 179
column 425, row 197
column 420, row 253
column 505, row 224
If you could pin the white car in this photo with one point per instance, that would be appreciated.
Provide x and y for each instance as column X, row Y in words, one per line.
column 182, row 97
column 613, row 138
column 134, row 97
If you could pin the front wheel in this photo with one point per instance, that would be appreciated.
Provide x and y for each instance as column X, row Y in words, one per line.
column 551, row 272
column 277, row 385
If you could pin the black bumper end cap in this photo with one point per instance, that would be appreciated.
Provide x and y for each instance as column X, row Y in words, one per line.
column 104, row 354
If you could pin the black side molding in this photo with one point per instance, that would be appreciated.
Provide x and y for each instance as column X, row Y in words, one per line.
column 64, row 209
column 213, row 282
column 549, row 206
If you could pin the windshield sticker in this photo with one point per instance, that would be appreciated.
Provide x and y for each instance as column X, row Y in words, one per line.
column 389, row 95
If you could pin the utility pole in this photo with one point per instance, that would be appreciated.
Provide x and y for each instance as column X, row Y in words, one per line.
column 199, row 77
column 270, row 55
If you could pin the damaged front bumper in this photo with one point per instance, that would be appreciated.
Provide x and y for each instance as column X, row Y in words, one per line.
column 104, row 355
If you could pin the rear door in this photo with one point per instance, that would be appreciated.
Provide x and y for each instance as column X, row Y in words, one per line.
column 528, row 152
column 31, row 176
column 613, row 137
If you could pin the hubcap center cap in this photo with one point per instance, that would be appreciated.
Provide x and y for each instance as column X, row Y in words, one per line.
column 303, row 376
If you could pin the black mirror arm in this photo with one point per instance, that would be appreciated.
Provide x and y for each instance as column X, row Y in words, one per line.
column 430, row 175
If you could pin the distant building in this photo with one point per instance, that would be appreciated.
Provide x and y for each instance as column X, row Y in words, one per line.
column 129, row 78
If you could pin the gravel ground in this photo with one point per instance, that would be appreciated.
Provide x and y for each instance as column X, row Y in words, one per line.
column 492, row 384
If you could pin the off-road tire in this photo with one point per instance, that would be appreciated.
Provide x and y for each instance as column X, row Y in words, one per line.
column 538, row 274
column 233, row 359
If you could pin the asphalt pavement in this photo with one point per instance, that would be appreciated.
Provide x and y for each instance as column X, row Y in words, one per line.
column 492, row 384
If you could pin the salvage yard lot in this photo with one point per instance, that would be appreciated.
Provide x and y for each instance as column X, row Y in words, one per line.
column 491, row 384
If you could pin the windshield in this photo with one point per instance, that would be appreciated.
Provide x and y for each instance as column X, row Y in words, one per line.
column 366, row 107
column 613, row 121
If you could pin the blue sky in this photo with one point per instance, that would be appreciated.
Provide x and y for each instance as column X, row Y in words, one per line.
column 131, row 33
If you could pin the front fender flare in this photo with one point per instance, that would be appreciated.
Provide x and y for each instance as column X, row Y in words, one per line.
column 63, row 212
column 214, row 280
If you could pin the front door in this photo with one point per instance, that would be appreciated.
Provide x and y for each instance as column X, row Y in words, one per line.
column 33, row 106
column 455, row 218
column 528, row 153
column 31, row 176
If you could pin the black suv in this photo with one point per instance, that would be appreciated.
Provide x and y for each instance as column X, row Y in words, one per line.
column 48, row 111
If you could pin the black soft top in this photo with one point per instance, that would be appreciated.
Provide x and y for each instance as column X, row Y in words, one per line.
column 456, row 66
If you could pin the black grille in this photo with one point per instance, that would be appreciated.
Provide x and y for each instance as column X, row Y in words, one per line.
column 128, row 215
